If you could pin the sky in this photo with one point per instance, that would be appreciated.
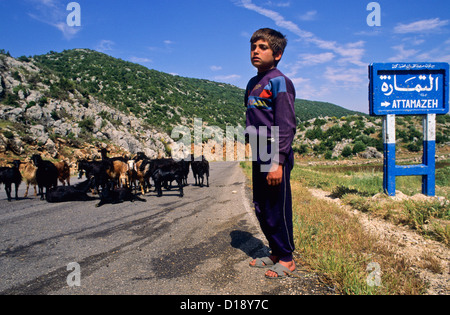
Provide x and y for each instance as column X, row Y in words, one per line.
column 331, row 43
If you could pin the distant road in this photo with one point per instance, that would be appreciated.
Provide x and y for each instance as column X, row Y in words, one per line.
column 199, row 244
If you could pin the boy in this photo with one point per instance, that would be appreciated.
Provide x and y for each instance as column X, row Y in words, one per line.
column 270, row 100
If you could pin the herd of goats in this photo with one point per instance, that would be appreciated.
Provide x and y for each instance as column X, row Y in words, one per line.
column 114, row 179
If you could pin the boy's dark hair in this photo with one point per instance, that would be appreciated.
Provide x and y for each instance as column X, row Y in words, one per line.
column 276, row 40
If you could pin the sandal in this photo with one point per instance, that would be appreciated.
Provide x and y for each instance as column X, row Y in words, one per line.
column 263, row 263
column 281, row 271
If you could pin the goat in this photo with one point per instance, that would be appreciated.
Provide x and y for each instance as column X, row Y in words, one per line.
column 70, row 193
column 46, row 174
column 185, row 170
column 160, row 176
column 63, row 172
column 143, row 175
column 200, row 169
column 104, row 152
column 118, row 168
column 118, row 173
column 9, row 176
column 97, row 170
column 140, row 156
column 166, row 165
column 132, row 174
column 29, row 174
column 118, row 195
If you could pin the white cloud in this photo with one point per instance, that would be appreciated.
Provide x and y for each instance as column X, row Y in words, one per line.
column 105, row 45
column 403, row 54
column 140, row 60
column 227, row 78
column 305, row 89
column 345, row 77
column 278, row 4
column 276, row 17
column 215, row 68
column 439, row 53
column 352, row 52
column 422, row 26
column 372, row 32
column 309, row 16
column 315, row 59
column 308, row 60
column 68, row 31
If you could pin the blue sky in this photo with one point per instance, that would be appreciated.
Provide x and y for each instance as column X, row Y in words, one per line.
column 330, row 42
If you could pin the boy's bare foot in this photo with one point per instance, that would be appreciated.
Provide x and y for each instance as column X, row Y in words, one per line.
column 289, row 265
column 273, row 258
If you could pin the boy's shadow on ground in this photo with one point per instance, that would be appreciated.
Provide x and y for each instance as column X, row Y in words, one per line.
column 249, row 244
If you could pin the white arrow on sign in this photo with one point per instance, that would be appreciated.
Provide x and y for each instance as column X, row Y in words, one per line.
column 385, row 104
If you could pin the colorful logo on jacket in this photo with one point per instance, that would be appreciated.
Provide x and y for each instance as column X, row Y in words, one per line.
column 264, row 100
column 256, row 102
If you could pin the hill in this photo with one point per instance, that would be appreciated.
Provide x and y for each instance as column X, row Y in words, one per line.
column 155, row 95
column 361, row 135
column 161, row 99
column 307, row 110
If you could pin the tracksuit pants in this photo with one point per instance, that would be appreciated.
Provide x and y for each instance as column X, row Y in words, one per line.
column 273, row 207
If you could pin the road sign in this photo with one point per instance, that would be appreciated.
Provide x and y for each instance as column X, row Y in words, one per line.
column 409, row 88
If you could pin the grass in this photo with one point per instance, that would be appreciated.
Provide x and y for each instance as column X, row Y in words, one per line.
column 331, row 240
column 357, row 186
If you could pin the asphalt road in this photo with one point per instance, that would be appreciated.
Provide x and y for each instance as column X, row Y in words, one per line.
column 197, row 245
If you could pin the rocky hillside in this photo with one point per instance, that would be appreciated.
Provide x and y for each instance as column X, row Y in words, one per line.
column 356, row 135
column 69, row 125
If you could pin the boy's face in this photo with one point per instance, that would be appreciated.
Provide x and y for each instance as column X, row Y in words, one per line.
column 262, row 56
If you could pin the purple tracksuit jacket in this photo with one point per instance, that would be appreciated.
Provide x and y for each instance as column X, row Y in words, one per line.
column 270, row 98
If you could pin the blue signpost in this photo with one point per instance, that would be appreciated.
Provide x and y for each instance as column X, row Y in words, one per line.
column 409, row 89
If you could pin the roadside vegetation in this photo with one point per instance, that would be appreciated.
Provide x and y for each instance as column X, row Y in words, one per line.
column 331, row 240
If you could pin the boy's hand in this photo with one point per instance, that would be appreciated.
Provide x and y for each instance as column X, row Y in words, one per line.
column 275, row 175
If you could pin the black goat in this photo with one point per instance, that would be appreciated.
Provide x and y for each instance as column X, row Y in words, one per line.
column 46, row 174
column 118, row 195
column 9, row 176
column 70, row 193
column 160, row 177
column 95, row 170
column 185, row 165
column 200, row 169
column 148, row 168
column 104, row 152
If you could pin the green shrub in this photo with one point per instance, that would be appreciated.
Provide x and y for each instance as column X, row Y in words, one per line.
column 359, row 147
column 347, row 151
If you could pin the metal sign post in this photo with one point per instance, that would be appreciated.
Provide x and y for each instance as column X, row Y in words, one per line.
column 409, row 89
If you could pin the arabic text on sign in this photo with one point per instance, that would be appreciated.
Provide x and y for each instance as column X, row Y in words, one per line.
column 388, row 89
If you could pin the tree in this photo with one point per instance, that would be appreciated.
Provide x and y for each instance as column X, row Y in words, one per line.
column 359, row 147
column 347, row 151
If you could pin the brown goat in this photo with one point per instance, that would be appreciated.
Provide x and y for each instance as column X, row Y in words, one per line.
column 63, row 172
column 140, row 176
column 119, row 173
column 132, row 173
column 29, row 175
